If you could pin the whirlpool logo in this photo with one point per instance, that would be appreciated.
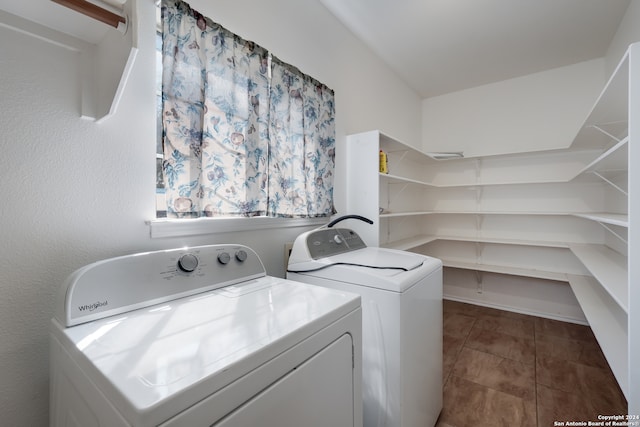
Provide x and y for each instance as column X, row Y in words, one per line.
column 94, row 306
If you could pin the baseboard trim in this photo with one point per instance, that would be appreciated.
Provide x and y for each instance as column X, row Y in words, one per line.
column 516, row 310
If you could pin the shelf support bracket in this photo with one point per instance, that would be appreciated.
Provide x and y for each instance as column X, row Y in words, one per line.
column 598, row 128
column 393, row 164
column 479, row 278
column 404, row 187
column 479, row 222
column 479, row 191
column 612, row 231
column 479, row 249
column 617, row 187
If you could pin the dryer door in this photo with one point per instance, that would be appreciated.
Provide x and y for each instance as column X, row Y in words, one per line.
column 319, row 393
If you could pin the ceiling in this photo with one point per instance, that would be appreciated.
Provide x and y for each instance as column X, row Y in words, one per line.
column 442, row 46
column 435, row 46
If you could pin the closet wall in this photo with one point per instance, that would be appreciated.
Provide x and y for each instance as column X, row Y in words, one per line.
column 74, row 191
column 510, row 132
column 542, row 232
column 523, row 121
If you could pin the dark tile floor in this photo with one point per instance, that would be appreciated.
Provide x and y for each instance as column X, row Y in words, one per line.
column 509, row 369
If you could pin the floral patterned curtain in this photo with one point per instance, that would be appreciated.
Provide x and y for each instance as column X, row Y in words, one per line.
column 302, row 144
column 237, row 143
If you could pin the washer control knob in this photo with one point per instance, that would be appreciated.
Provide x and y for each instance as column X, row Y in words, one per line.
column 338, row 239
column 188, row 263
column 241, row 255
column 224, row 258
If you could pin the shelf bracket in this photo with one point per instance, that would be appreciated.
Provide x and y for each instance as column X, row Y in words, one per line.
column 478, row 169
column 399, row 192
column 479, row 191
column 393, row 163
column 479, row 279
column 617, row 187
column 479, row 249
column 612, row 231
column 598, row 128
column 388, row 227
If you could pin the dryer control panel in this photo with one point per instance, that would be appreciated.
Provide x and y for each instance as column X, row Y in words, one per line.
column 332, row 241
column 130, row 282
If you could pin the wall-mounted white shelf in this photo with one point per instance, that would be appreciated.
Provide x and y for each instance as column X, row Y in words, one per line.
column 608, row 120
column 417, row 241
column 410, row 243
column 602, row 217
column 584, row 195
column 525, row 213
column 502, row 269
column 615, row 159
column 423, row 239
column 610, row 167
column 621, row 220
column 395, row 179
column 609, row 268
column 498, row 170
column 609, row 325
column 403, row 214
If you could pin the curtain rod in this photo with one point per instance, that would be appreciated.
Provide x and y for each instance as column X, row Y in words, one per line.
column 94, row 11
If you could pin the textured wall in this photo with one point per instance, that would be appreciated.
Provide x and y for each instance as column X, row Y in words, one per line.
column 73, row 191
column 540, row 111
column 628, row 32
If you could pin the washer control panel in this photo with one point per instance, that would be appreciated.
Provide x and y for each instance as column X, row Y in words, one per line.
column 188, row 262
column 134, row 281
column 332, row 241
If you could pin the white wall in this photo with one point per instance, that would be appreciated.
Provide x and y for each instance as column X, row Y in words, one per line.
column 628, row 32
column 536, row 112
column 368, row 95
column 73, row 192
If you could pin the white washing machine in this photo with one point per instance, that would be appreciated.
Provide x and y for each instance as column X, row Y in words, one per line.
column 402, row 320
column 202, row 336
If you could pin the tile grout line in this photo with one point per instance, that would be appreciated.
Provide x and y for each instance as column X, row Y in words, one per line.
column 535, row 384
column 464, row 342
column 544, row 409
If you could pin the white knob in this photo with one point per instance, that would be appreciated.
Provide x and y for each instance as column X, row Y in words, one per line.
column 188, row 263
column 241, row 255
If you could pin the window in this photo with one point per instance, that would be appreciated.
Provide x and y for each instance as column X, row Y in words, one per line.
column 161, row 206
column 242, row 133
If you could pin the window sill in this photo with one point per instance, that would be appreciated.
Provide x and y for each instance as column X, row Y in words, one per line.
column 198, row 226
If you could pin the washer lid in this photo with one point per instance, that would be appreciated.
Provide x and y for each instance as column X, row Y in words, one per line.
column 160, row 360
column 378, row 258
column 381, row 268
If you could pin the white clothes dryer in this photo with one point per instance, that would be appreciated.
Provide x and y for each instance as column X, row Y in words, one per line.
column 401, row 314
column 202, row 336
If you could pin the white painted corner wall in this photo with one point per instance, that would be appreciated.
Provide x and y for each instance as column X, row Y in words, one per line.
column 536, row 112
column 74, row 191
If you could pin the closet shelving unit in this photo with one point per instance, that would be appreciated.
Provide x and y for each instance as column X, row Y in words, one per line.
column 402, row 204
column 104, row 67
column 604, row 294
column 559, row 215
